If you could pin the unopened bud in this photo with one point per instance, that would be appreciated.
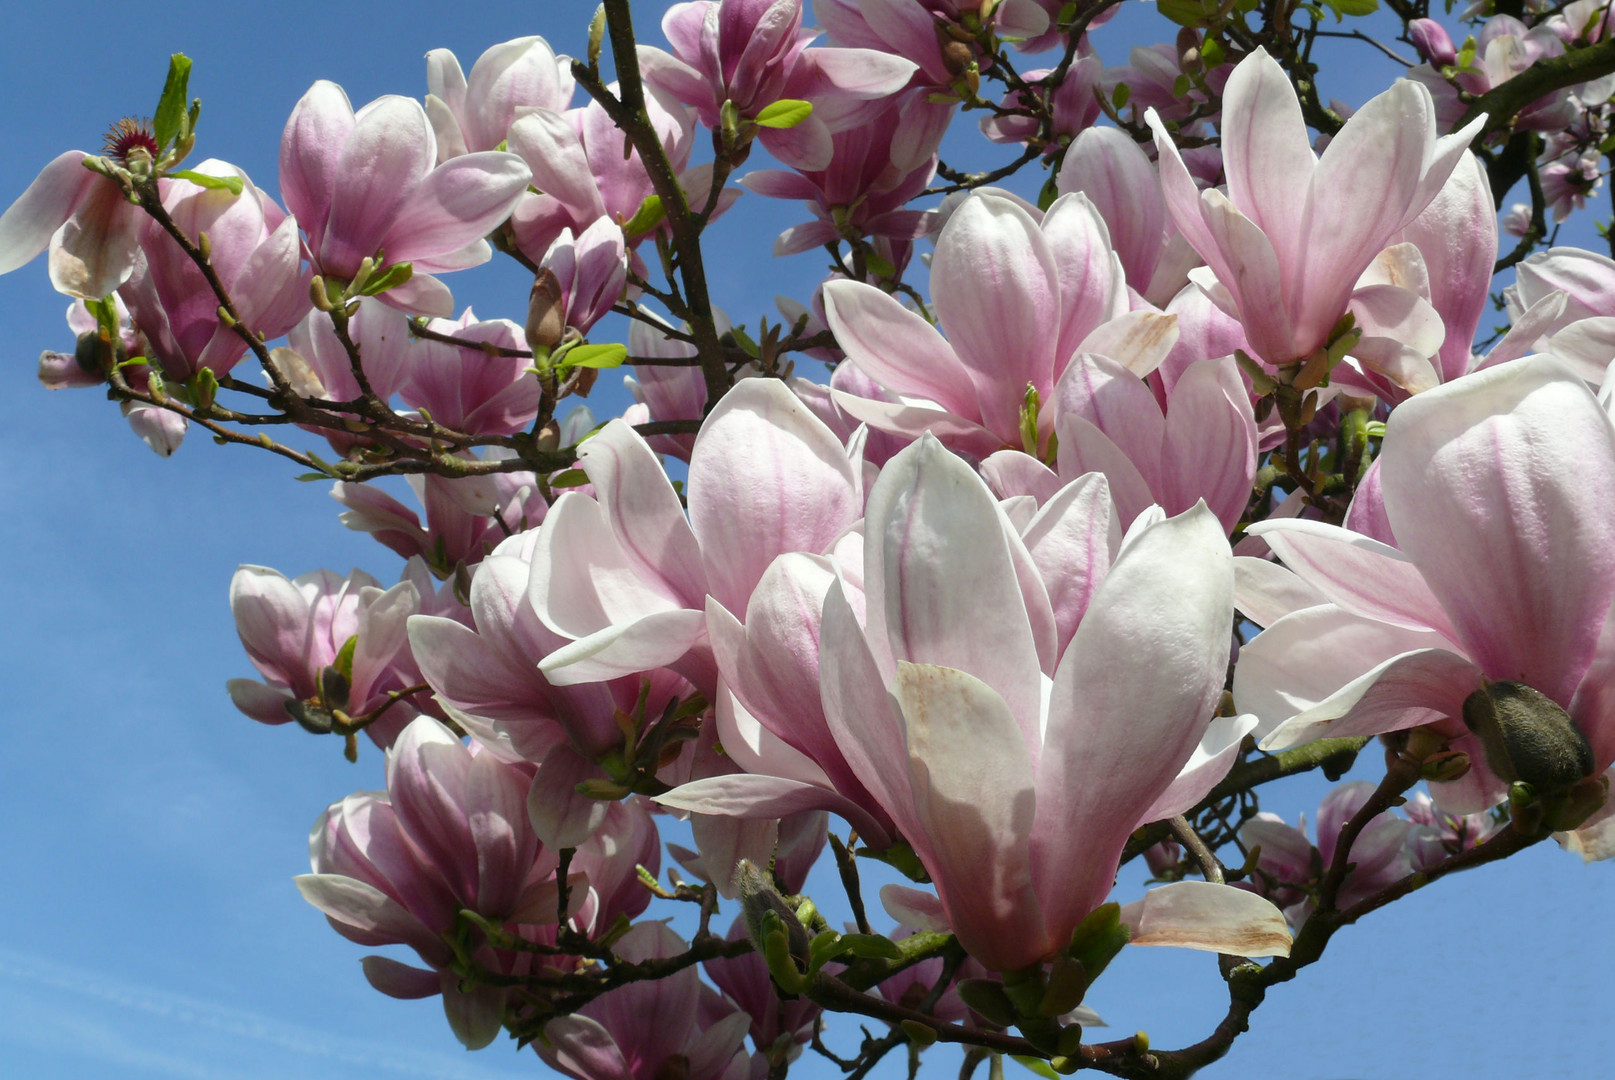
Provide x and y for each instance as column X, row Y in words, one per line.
column 1528, row 737
column 546, row 313
column 957, row 56
column 757, row 897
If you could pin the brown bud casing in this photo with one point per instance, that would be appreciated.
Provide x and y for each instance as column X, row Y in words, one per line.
column 546, row 317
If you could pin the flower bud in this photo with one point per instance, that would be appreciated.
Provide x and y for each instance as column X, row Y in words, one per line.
column 546, row 314
column 1528, row 737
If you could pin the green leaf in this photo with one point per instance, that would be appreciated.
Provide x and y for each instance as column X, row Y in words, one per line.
column 232, row 184
column 1352, row 7
column 389, row 278
column 609, row 355
column 171, row 106
column 744, row 340
column 1211, row 53
column 650, row 214
column 570, row 478
column 1038, row 1066
column 309, row 477
column 784, row 113
column 1181, row 86
column 1120, row 96
column 1183, row 12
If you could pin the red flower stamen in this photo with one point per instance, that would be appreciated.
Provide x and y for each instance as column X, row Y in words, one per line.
column 128, row 136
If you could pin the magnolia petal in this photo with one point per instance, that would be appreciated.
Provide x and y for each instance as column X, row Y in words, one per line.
column 974, row 802
column 1405, row 691
column 1215, row 918
column 1497, row 486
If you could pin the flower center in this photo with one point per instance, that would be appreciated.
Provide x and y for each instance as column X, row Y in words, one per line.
column 131, row 138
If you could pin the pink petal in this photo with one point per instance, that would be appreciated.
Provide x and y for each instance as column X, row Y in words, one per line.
column 1498, row 486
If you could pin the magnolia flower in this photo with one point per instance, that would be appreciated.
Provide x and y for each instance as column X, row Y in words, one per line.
column 878, row 169
column 509, row 79
column 1494, row 489
column 672, row 1026
column 626, row 575
column 1018, row 297
column 90, row 227
column 1289, row 867
column 1287, row 243
column 748, row 54
column 367, row 185
column 1203, row 448
column 977, row 703
column 324, row 644
column 397, row 867
column 253, row 249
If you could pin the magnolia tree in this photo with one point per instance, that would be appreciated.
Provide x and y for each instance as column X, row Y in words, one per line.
column 1041, row 537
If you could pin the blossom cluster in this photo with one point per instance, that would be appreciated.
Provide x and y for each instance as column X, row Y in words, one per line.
column 987, row 596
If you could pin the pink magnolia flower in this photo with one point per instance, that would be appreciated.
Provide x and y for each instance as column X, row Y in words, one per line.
column 982, row 680
column 488, row 674
column 1289, row 868
column 368, row 184
column 513, row 77
column 1494, row 489
column 651, row 1029
column 585, row 169
column 627, row 576
column 468, row 389
column 396, row 867
column 1438, row 834
column 296, row 633
column 1286, row 245
column 752, row 53
column 1504, row 48
column 466, row 518
column 1203, row 448
column 1074, row 103
column 1112, row 170
column 875, row 172
column 254, row 250
column 591, row 270
column 1456, row 237
column 91, row 229
column 1018, row 298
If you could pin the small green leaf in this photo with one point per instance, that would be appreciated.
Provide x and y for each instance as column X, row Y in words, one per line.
column 609, row 355
column 232, row 184
column 1212, row 54
column 308, row 477
column 1181, row 86
column 744, row 340
column 1120, row 96
column 1183, row 12
column 171, row 106
column 1038, row 1066
column 649, row 215
column 344, row 657
column 597, row 35
column 389, row 278
column 571, row 478
column 1352, row 7
column 784, row 113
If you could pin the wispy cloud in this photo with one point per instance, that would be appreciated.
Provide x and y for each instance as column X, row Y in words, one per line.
column 56, row 1009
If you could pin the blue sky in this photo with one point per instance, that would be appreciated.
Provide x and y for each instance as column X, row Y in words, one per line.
column 148, row 926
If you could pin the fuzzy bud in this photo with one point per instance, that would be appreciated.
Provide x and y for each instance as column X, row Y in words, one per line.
column 1528, row 737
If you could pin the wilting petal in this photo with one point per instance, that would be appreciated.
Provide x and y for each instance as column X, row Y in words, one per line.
column 1216, row 918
